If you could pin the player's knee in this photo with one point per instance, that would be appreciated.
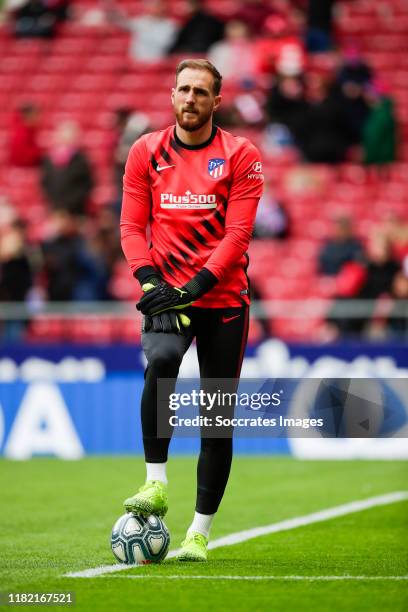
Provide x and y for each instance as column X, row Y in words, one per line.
column 165, row 360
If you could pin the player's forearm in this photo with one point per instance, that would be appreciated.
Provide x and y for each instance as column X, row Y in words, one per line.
column 135, row 247
column 230, row 250
column 134, row 243
column 136, row 252
column 133, row 224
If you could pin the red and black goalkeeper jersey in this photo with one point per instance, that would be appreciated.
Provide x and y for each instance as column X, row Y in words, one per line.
column 200, row 202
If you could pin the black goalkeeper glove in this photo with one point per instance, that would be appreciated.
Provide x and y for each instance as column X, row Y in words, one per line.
column 160, row 296
column 163, row 297
column 168, row 322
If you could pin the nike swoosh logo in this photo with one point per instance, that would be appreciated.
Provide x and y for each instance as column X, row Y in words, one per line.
column 227, row 319
column 160, row 168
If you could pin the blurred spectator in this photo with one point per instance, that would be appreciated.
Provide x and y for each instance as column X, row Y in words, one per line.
column 135, row 126
column 15, row 268
column 73, row 269
column 7, row 213
column 342, row 247
column 16, row 274
column 245, row 109
column 259, row 315
column 66, row 172
column 60, row 8
column 353, row 77
column 119, row 120
column 348, row 284
column 234, row 56
column 117, row 124
column 394, row 229
column 369, row 281
column 380, row 130
column 34, row 19
column 278, row 140
column 397, row 322
column 319, row 25
column 253, row 13
column 106, row 238
column 23, row 146
column 381, row 268
column 324, row 135
column 105, row 244
column 249, row 105
column 279, row 50
column 39, row 18
column 353, row 69
column 286, row 104
column 272, row 219
column 199, row 32
column 152, row 33
column 350, row 279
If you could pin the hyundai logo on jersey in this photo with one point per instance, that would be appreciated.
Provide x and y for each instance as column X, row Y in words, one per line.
column 215, row 167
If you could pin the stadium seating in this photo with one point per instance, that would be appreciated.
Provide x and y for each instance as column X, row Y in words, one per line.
column 85, row 73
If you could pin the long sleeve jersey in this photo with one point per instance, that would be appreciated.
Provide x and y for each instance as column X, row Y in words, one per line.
column 200, row 202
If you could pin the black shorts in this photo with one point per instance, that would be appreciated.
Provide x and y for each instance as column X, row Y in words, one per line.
column 221, row 335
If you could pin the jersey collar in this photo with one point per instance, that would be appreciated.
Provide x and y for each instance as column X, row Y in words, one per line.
column 199, row 146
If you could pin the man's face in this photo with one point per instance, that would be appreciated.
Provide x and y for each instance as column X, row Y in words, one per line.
column 193, row 99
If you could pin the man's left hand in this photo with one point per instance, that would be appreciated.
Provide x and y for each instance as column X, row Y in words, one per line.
column 164, row 297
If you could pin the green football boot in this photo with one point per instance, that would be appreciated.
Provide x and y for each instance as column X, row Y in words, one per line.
column 194, row 548
column 150, row 499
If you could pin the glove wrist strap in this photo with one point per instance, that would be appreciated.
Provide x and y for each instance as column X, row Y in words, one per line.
column 202, row 282
column 147, row 274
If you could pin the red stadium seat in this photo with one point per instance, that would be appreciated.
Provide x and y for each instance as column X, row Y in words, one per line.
column 128, row 330
column 61, row 64
column 46, row 329
column 96, row 329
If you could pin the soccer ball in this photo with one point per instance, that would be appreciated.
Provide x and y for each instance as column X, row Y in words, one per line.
column 139, row 539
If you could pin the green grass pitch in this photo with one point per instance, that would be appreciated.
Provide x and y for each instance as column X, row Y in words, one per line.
column 56, row 517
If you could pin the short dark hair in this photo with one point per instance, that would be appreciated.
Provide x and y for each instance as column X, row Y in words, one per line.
column 202, row 64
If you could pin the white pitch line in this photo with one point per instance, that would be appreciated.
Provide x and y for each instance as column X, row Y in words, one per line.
column 291, row 578
column 249, row 534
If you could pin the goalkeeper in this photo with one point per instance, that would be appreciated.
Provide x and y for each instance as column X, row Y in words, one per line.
column 198, row 188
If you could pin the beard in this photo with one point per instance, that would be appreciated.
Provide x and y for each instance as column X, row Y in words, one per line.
column 192, row 125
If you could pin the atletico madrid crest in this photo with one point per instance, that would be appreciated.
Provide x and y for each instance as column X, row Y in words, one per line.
column 216, row 167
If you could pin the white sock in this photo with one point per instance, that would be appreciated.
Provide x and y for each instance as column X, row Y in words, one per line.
column 201, row 523
column 156, row 471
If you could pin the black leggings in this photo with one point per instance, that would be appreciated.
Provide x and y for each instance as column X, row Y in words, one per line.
column 221, row 336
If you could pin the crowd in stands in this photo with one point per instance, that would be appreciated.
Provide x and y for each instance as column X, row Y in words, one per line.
column 375, row 271
column 39, row 18
column 314, row 101
column 74, row 261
